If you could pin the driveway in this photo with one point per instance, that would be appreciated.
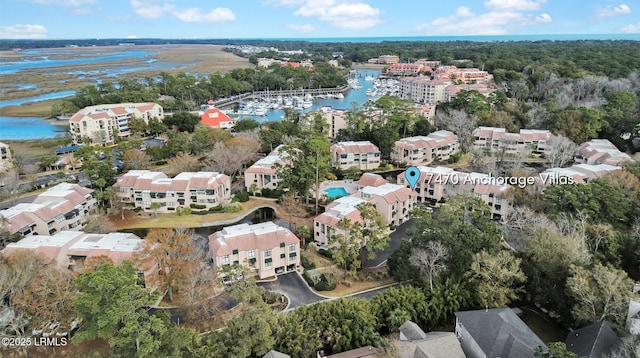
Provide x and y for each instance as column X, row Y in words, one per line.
column 395, row 240
column 296, row 289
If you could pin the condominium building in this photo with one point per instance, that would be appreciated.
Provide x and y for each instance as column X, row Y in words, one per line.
column 104, row 123
column 5, row 157
column 62, row 207
column 423, row 150
column 600, row 151
column 388, row 59
column 406, row 69
column 578, row 173
column 143, row 187
column 423, row 89
column 393, row 202
column 71, row 249
column 336, row 119
column 498, row 139
column 268, row 248
column 363, row 155
column 325, row 225
column 435, row 184
column 264, row 172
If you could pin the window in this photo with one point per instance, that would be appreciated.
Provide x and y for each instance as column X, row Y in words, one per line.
column 292, row 255
column 252, row 261
column 282, row 256
column 235, row 251
column 251, row 253
column 282, row 244
column 236, row 262
column 267, row 253
column 225, row 259
column 267, row 262
column 292, row 247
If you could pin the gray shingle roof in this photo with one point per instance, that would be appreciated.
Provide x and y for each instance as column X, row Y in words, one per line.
column 594, row 340
column 275, row 354
column 409, row 331
column 500, row 332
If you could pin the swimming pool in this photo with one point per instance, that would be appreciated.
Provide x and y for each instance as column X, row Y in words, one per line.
column 336, row 192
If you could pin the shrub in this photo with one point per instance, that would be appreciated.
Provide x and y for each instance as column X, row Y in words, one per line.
column 345, row 283
column 161, row 162
column 271, row 193
column 306, row 263
column 216, row 209
column 325, row 253
column 307, row 277
column 182, row 211
column 197, row 206
column 323, row 284
column 233, row 208
column 454, row 158
column 242, row 196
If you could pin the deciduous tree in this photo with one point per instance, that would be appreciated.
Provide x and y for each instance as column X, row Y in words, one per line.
column 431, row 260
column 497, row 278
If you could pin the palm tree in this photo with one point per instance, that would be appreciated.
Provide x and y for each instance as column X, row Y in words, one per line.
column 155, row 206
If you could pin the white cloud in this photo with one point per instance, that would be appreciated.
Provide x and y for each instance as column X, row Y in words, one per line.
column 514, row 5
column 503, row 17
column 288, row 3
column 303, row 29
column 219, row 14
column 70, row 3
column 154, row 9
column 341, row 14
column 609, row 11
column 23, row 32
column 631, row 29
column 132, row 37
column 151, row 9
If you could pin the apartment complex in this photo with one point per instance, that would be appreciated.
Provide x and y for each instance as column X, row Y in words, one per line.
column 385, row 59
column 406, row 69
column 268, row 248
column 62, row 207
column 435, row 184
column 101, row 122
column 336, row 119
column 600, row 151
column 393, row 202
column 71, row 249
column 363, row 155
column 422, row 150
column 423, row 89
column 143, row 187
column 264, row 172
column 498, row 139
column 5, row 157
column 464, row 75
column 452, row 91
column 579, row 173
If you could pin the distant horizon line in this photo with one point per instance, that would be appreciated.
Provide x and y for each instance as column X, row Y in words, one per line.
column 439, row 38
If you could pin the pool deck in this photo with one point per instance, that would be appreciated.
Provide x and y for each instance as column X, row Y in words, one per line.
column 349, row 186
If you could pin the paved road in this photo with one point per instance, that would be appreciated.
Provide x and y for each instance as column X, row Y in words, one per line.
column 296, row 289
column 396, row 238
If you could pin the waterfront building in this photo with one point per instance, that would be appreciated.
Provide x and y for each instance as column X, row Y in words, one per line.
column 422, row 150
column 363, row 155
column 423, row 89
column 266, row 247
column 187, row 189
column 105, row 123
column 215, row 118
column 62, row 207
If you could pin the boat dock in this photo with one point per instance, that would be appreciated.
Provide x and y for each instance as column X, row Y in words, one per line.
column 258, row 95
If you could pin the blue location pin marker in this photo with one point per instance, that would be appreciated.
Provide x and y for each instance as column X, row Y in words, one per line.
column 412, row 174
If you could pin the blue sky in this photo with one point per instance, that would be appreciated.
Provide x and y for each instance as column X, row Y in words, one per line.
column 72, row 19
